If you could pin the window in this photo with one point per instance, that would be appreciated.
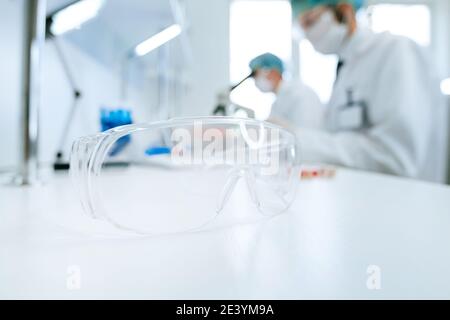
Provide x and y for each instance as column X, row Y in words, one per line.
column 413, row 21
column 256, row 27
column 317, row 71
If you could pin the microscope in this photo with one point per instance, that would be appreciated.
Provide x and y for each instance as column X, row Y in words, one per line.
column 225, row 107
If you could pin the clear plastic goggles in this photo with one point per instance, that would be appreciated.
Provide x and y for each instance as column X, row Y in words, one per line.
column 179, row 175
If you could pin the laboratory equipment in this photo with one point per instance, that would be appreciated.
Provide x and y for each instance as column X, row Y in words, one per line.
column 60, row 163
column 66, row 18
column 225, row 107
column 214, row 165
column 114, row 118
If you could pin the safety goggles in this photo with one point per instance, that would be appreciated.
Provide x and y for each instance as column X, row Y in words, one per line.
column 179, row 175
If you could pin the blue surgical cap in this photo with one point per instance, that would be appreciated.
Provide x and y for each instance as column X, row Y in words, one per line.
column 267, row 61
column 299, row 6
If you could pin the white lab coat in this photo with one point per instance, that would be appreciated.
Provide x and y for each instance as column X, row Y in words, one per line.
column 407, row 122
column 298, row 105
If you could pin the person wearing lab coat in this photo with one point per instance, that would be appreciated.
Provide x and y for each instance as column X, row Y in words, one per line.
column 386, row 113
column 295, row 104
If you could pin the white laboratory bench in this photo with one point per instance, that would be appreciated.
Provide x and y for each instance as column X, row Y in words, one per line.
column 321, row 248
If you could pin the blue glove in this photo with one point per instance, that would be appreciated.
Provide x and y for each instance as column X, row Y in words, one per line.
column 154, row 151
column 113, row 118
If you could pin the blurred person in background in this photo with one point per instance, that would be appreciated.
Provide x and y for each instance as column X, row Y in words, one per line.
column 386, row 113
column 295, row 104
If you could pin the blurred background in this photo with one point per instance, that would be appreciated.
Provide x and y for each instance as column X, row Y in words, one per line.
column 160, row 59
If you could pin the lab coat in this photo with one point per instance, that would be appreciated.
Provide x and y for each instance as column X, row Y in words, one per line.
column 298, row 105
column 401, row 126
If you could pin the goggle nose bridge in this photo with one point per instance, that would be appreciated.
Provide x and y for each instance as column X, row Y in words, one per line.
column 233, row 178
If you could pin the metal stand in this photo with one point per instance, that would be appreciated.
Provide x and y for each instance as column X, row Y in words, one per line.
column 59, row 163
column 34, row 42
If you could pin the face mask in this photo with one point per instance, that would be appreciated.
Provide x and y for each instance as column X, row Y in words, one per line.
column 263, row 84
column 327, row 35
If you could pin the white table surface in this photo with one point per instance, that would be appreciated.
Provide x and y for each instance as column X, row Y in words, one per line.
column 320, row 249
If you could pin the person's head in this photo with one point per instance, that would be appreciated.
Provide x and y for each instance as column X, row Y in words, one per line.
column 326, row 23
column 267, row 71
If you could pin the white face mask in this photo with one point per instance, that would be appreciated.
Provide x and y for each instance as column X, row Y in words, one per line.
column 327, row 35
column 263, row 84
